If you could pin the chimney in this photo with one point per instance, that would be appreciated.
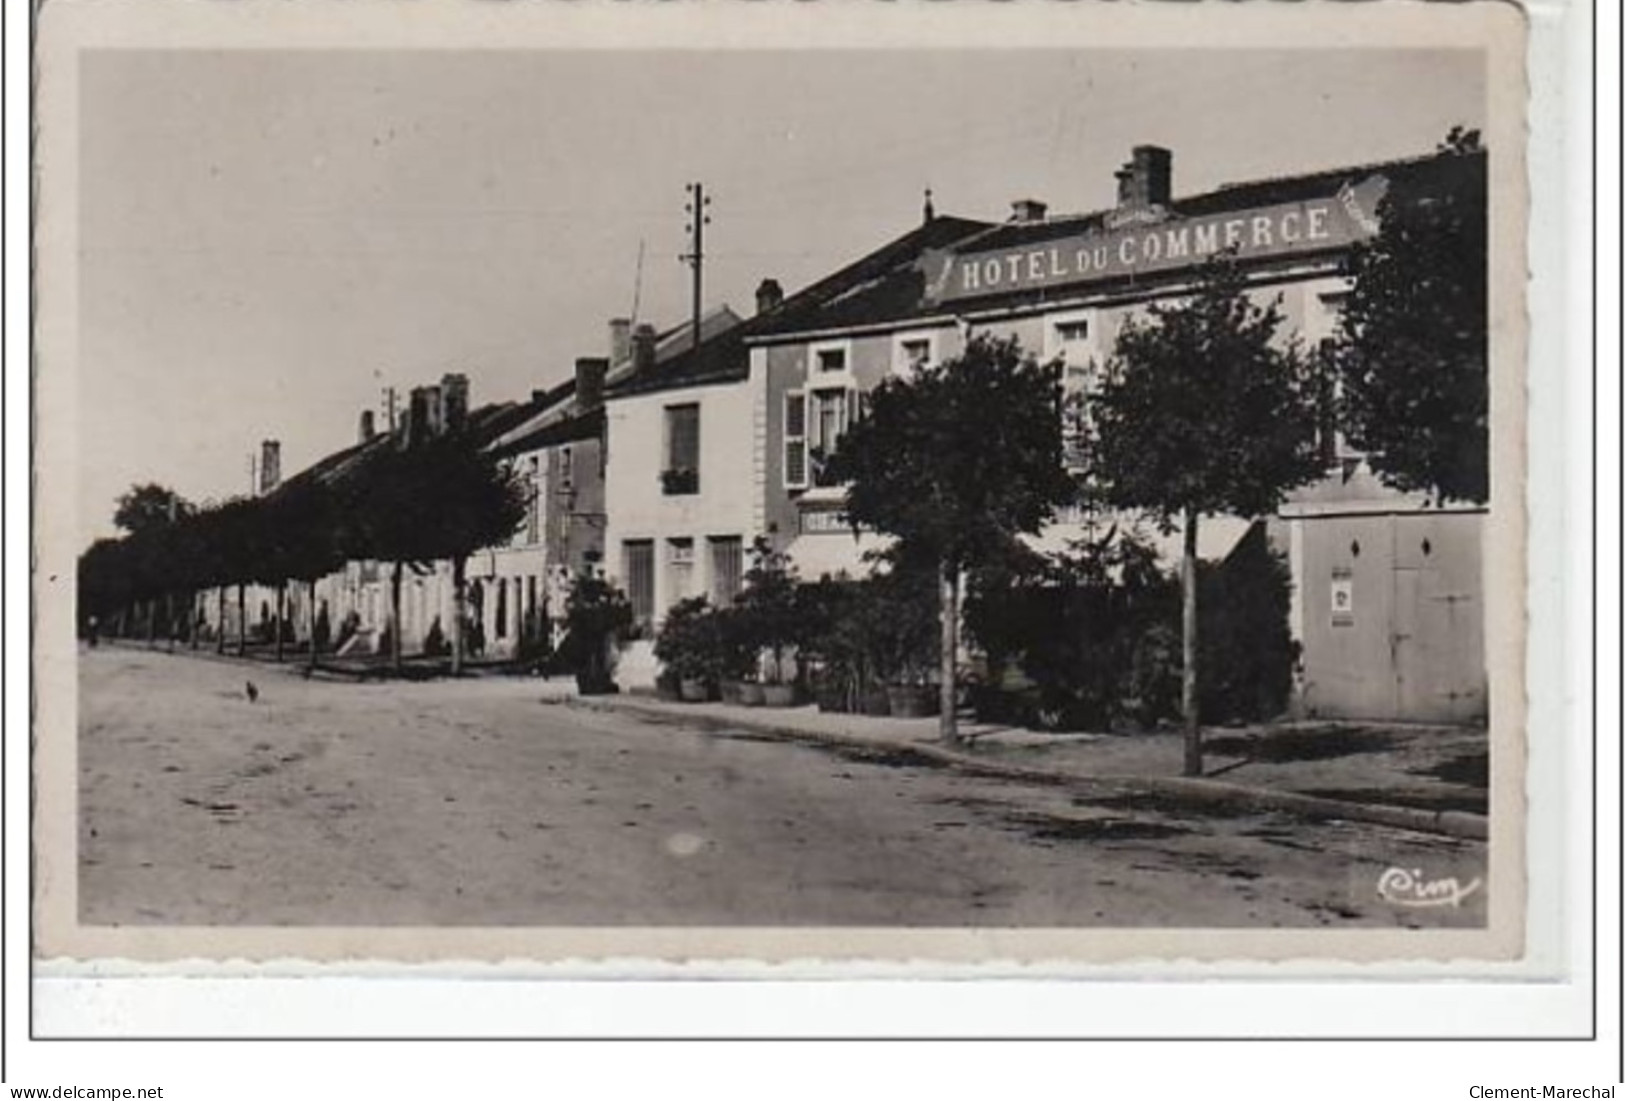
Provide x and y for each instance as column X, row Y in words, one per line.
column 590, row 374
column 368, row 427
column 434, row 409
column 454, row 401
column 1024, row 211
column 643, row 347
column 620, row 340
column 1147, row 179
column 270, row 465
column 768, row 295
column 415, row 425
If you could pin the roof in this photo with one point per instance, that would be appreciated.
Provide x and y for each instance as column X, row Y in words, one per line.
column 887, row 275
column 584, row 426
column 897, row 293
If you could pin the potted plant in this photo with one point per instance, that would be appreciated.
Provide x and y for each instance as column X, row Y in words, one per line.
column 736, row 656
column 903, row 627
column 689, row 646
column 768, row 605
column 598, row 618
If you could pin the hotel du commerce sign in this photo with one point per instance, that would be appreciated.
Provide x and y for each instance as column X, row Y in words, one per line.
column 1171, row 242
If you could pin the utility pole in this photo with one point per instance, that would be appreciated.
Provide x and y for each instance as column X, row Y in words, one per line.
column 697, row 206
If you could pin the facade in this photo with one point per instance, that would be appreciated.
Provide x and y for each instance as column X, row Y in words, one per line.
column 1063, row 287
column 663, row 461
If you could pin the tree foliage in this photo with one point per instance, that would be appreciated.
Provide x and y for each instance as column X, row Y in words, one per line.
column 150, row 506
column 1203, row 409
column 959, row 458
column 1415, row 332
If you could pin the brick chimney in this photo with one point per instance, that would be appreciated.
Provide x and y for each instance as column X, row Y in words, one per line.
column 453, row 401
column 417, row 424
column 369, row 427
column 1147, row 179
column 643, row 347
column 590, row 374
column 1024, row 211
column 270, row 465
column 768, row 295
column 620, row 340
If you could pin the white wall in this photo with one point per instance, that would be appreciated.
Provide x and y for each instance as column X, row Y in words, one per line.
column 637, row 506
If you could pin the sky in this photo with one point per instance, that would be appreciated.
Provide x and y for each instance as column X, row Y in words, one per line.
column 268, row 239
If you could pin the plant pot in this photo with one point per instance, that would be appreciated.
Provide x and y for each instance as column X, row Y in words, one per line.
column 730, row 691
column 911, row 701
column 778, row 695
column 694, row 690
column 875, row 702
column 750, row 693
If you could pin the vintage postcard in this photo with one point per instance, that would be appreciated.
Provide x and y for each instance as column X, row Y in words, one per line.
column 1032, row 485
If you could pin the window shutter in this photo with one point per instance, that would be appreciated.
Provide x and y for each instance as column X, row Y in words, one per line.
column 795, row 440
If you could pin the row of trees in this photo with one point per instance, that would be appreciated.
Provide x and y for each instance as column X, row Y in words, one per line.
column 438, row 500
column 1204, row 408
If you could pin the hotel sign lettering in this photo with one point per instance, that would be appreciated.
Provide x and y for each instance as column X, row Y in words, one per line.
column 1280, row 230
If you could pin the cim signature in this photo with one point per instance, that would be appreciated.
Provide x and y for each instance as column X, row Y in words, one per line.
column 1406, row 887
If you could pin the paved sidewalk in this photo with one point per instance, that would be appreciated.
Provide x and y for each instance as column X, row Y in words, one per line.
column 1417, row 777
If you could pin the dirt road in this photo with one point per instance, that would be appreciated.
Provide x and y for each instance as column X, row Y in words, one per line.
column 472, row 802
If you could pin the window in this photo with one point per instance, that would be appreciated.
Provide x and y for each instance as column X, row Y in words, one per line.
column 829, row 360
column 795, row 440
column 566, row 469
column 502, row 608
column 814, row 422
column 679, row 569
column 1073, row 339
column 682, row 472
column 727, row 568
column 638, row 567
column 832, row 410
column 911, row 353
column 533, row 500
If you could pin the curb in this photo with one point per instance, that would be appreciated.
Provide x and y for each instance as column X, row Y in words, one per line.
column 1451, row 823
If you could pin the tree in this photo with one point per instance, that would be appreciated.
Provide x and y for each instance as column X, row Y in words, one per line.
column 304, row 536
column 956, row 461
column 1202, row 410
column 150, row 506
column 441, row 498
column 1415, row 331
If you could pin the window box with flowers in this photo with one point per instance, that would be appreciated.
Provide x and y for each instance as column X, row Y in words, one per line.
column 680, row 482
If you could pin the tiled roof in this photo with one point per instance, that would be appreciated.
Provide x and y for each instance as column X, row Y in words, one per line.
column 584, row 426
column 897, row 293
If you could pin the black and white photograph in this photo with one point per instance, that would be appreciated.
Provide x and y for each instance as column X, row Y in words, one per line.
column 916, row 502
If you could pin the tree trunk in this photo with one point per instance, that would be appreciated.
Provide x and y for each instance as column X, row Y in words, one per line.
column 395, row 620
column 169, row 620
column 192, row 617
column 220, row 627
column 281, row 613
column 310, row 620
column 948, row 720
column 242, row 621
column 1189, row 696
column 459, row 568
